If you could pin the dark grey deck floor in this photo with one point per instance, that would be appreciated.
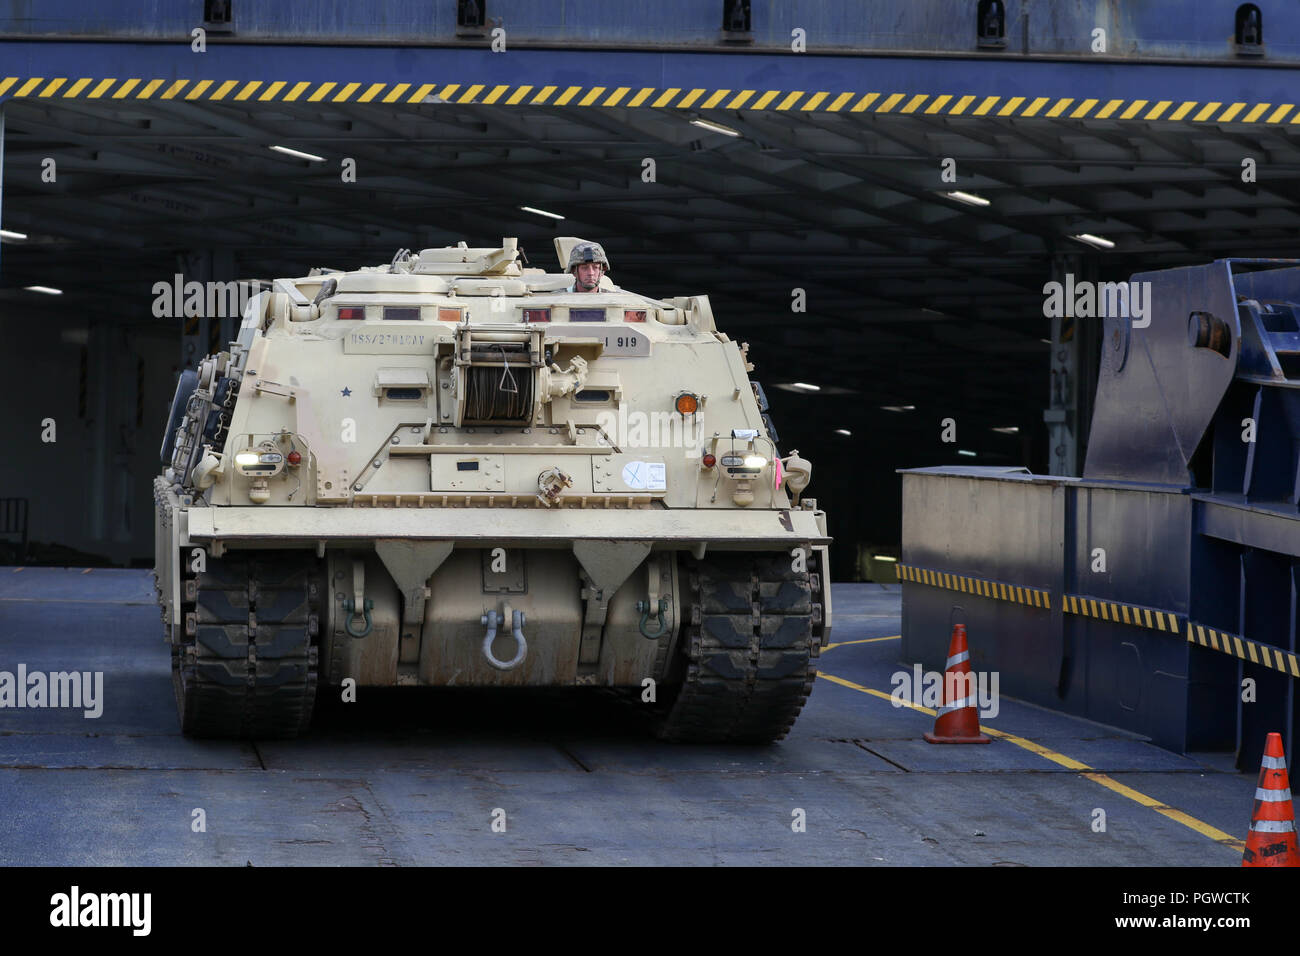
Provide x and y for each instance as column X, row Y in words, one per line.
column 411, row 778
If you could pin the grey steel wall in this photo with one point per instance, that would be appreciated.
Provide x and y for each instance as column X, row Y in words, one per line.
column 106, row 430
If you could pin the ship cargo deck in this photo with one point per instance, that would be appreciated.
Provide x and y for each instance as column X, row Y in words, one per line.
column 417, row 777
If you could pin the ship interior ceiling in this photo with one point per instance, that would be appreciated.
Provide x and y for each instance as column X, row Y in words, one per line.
column 915, row 300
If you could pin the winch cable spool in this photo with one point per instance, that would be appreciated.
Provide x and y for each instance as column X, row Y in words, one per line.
column 492, row 391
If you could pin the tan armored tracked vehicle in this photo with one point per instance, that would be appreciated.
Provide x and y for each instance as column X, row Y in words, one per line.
column 457, row 471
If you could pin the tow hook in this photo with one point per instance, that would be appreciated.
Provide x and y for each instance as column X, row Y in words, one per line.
column 350, row 606
column 358, row 603
column 661, row 614
column 491, row 620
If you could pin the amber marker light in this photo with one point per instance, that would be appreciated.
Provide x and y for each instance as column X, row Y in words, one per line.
column 687, row 403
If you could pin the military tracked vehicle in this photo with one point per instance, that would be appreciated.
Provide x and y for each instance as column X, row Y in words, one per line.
column 455, row 470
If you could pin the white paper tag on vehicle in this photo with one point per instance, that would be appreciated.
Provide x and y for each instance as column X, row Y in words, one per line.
column 646, row 475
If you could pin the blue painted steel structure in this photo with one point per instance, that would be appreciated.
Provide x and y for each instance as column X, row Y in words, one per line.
column 1170, row 573
column 1155, row 28
column 785, row 71
column 1156, row 51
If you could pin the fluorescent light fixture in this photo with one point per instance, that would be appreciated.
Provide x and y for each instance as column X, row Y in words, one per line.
column 882, row 557
column 541, row 212
column 43, row 288
column 963, row 451
column 1009, row 430
column 715, row 127
column 1088, row 239
column 899, row 408
column 299, row 153
column 805, row 387
column 969, row 199
column 1046, row 341
column 844, row 431
column 10, row 234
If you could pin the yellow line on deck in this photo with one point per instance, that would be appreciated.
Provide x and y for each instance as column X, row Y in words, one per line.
column 1178, row 816
column 1215, row 834
column 874, row 693
column 865, row 640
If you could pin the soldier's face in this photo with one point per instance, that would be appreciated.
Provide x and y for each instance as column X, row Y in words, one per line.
column 589, row 274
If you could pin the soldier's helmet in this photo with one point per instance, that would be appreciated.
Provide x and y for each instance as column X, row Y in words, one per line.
column 587, row 252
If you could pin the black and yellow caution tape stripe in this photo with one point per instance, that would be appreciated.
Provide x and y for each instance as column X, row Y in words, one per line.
column 506, row 94
column 1266, row 655
column 997, row 590
column 1151, row 618
column 1246, row 650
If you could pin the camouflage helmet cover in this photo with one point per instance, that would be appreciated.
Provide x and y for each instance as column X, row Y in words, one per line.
column 587, row 252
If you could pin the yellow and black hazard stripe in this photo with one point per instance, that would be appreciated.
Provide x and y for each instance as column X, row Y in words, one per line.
column 506, row 94
column 1246, row 650
column 1151, row 618
column 1134, row 615
column 997, row 590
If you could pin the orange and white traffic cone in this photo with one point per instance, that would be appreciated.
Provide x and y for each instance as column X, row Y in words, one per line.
column 957, row 721
column 1272, row 840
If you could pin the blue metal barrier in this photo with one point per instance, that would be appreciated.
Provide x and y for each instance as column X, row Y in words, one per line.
column 1164, row 584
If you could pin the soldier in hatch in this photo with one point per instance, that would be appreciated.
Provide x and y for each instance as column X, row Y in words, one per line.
column 587, row 263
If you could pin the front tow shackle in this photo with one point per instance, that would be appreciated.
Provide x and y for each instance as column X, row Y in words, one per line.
column 491, row 620
column 661, row 614
column 350, row 606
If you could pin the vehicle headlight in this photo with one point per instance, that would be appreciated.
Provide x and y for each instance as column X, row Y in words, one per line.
column 256, row 463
